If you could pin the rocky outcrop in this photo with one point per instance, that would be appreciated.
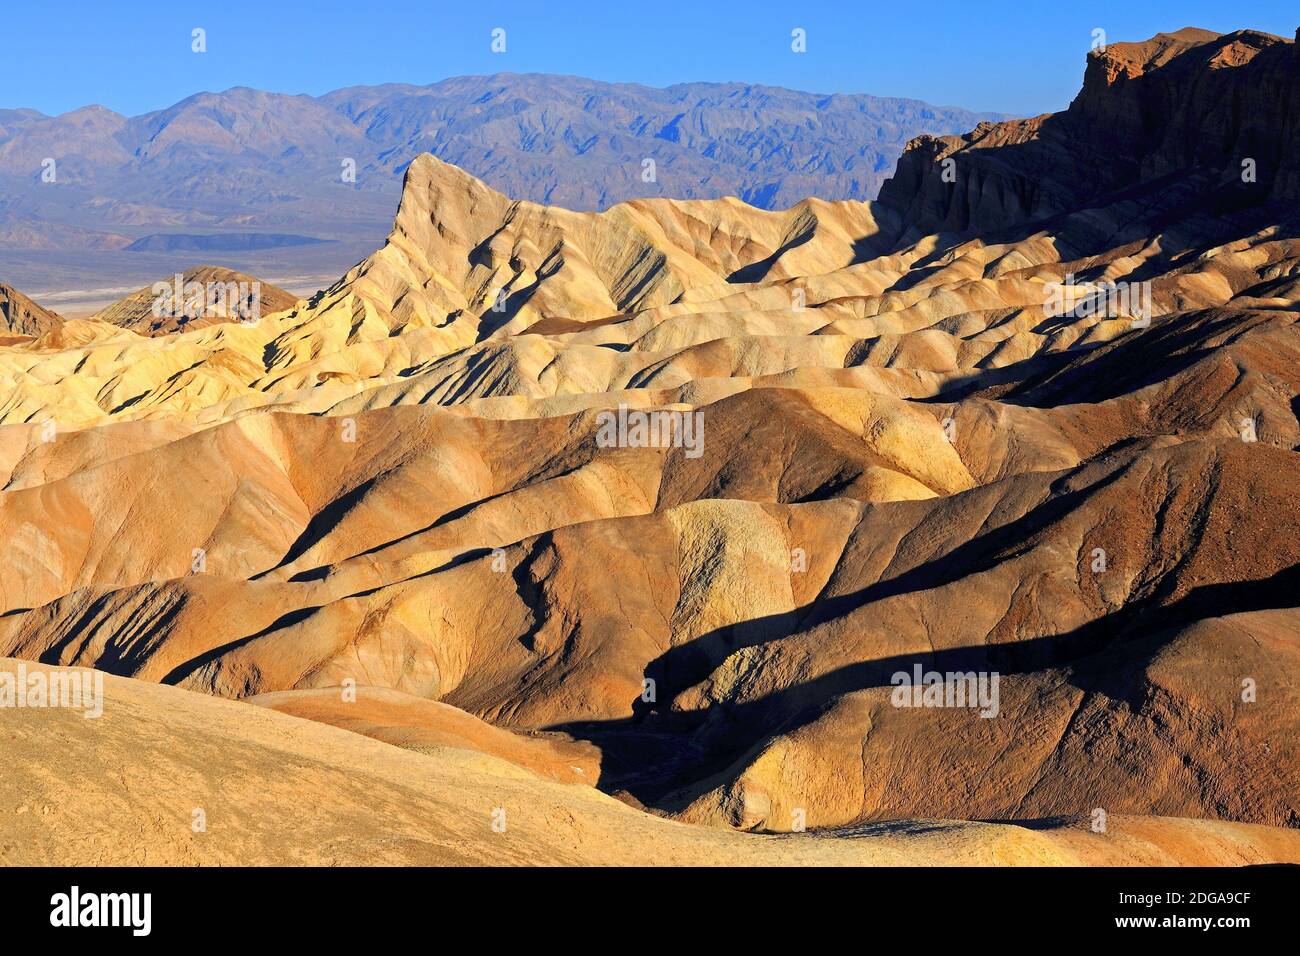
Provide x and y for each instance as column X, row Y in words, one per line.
column 1187, row 116
column 19, row 315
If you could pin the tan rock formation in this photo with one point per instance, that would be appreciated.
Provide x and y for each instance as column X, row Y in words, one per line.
column 19, row 315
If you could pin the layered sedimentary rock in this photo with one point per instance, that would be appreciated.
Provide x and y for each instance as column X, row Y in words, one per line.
column 1186, row 123
column 19, row 315
column 888, row 452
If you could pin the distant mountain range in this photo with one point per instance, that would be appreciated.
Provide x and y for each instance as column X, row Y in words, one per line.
column 247, row 162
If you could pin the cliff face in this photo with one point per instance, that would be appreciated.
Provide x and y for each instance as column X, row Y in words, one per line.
column 1174, row 117
column 19, row 315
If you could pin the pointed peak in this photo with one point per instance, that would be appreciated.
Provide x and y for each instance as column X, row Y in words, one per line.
column 427, row 169
column 439, row 192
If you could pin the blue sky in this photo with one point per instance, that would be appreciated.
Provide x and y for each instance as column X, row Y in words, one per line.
column 1019, row 57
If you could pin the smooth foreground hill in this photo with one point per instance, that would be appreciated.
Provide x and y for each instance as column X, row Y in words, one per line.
column 168, row 778
column 895, row 452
